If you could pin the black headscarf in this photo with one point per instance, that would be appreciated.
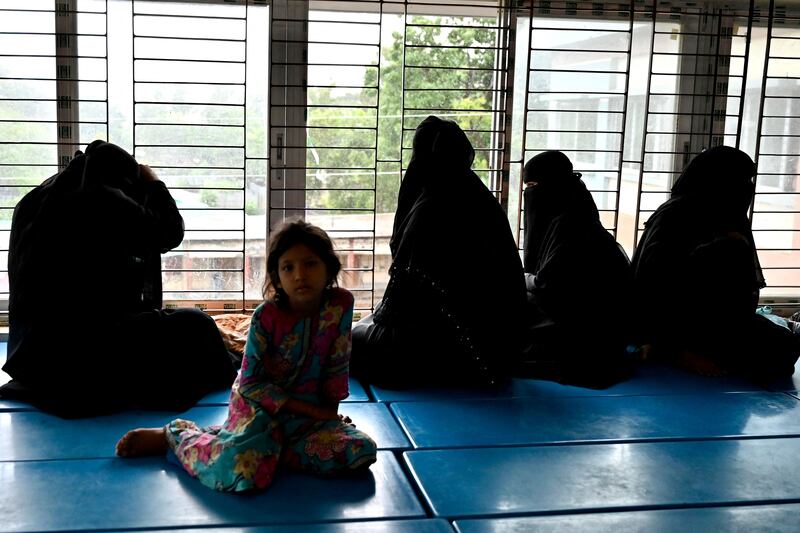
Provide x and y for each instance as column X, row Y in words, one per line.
column 441, row 161
column 714, row 191
column 722, row 179
column 557, row 191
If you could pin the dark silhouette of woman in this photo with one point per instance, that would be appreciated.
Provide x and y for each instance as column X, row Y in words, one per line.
column 697, row 275
column 578, row 280
column 87, row 333
column 451, row 313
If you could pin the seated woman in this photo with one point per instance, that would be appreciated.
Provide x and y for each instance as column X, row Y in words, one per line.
column 451, row 311
column 697, row 276
column 578, row 280
column 87, row 333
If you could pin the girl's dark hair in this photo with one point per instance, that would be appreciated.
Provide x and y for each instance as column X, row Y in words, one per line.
column 289, row 234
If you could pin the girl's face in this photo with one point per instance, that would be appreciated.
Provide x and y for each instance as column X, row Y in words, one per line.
column 303, row 276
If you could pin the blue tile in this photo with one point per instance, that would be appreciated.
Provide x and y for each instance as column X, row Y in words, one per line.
column 545, row 420
column 357, row 392
column 432, row 525
column 647, row 380
column 150, row 493
column 500, row 481
column 767, row 518
column 377, row 422
column 39, row 436
column 220, row 397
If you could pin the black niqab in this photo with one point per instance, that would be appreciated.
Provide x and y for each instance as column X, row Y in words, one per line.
column 558, row 191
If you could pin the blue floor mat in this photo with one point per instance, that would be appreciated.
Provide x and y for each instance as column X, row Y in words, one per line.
column 150, row 493
column 34, row 435
column 675, row 451
column 548, row 420
column 765, row 518
column 432, row 525
column 606, row 477
column 649, row 380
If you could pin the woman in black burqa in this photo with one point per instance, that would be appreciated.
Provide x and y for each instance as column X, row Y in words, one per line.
column 451, row 311
column 578, row 280
column 87, row 333
column 697, row 275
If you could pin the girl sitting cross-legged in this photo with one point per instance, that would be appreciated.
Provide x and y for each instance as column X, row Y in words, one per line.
column 284, row 402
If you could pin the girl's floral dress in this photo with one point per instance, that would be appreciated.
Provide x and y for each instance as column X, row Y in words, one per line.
column 286, row 356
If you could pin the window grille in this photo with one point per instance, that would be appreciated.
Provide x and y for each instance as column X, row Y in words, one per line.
column 697, row 90
column 577, row 57
column 53, row 95
column 182, row 87
column 199, row 121
column 374, row 70
column 254, row 111
column 776, row 210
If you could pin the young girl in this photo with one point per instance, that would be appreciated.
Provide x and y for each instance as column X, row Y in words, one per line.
column 284, row 402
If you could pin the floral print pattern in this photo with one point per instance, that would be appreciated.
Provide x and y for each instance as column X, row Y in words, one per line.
column 286, row 356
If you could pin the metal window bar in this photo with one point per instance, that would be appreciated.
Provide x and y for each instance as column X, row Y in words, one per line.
column 436, row 64
column 53, row 99
column 775, row 212
column 691, row 82
column 325, row 102
column 576, row 94
column 339, row 140
column 343, row 135
column 185, row 64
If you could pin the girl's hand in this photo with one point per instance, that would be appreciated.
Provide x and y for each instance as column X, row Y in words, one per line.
column 326, row 413
column 310, row 410
column 346, row 420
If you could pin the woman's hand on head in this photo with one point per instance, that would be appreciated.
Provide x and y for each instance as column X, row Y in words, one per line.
column 146, row 173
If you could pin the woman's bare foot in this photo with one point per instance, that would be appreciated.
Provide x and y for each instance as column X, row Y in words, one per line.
column 645, row 353
column 694, row 362
column 141, row 442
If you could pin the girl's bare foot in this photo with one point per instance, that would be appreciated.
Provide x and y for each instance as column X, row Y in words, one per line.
column 141, row 442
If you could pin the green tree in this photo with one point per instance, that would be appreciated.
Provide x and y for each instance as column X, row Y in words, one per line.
column 445, row 71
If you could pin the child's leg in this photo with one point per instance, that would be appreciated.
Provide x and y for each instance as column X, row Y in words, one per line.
column 142, row 442
column 330, row 447
column 226, row 460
